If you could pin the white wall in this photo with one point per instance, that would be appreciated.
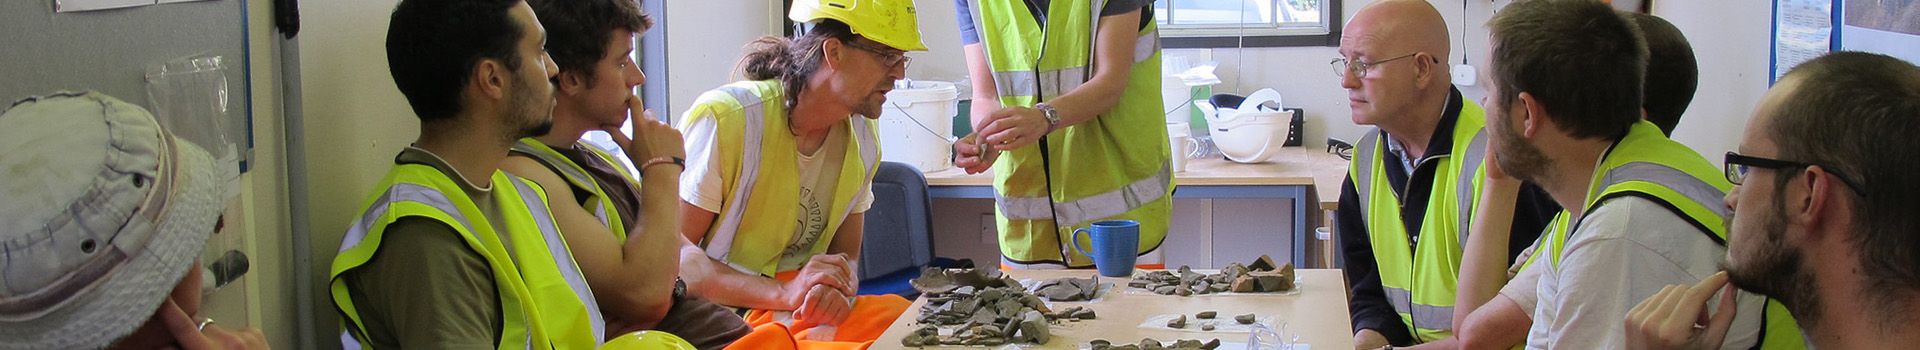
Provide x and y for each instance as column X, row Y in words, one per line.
column 1731, row 44
column 704, row 44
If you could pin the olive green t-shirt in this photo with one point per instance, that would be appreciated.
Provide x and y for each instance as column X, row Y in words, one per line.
column 425, row 288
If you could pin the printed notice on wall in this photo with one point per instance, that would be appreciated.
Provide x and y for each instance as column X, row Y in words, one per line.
column 1890, row 27
column 91, row 5
column 1802, row 30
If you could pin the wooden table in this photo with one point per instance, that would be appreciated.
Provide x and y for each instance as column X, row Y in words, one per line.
column 1318, row 314
column 1297, row 174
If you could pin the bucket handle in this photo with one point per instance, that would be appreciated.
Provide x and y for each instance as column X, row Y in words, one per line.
column 949, row 139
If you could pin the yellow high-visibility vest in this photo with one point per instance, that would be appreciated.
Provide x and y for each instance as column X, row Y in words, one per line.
column 1112, row 167
column 545, row 302
column 1647, row 164
column 761, row 176
column 1420, row 276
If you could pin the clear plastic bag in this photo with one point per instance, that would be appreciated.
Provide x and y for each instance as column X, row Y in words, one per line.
column 189, row 97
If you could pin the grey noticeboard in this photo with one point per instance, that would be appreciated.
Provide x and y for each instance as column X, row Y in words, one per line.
column 110, row 50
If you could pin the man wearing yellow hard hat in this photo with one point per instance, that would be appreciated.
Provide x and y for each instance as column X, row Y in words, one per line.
column 780, row 169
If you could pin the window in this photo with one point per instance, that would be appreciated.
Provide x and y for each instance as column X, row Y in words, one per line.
column 1250, row 23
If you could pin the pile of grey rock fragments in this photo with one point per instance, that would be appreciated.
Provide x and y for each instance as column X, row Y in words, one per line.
column 989, row 309
column 1262, row 276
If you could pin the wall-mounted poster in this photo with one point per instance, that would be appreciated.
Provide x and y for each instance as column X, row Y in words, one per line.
column 1890, row 27
column 1802, row 30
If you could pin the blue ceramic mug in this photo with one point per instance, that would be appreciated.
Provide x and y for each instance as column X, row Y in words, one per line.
column 1116, row 244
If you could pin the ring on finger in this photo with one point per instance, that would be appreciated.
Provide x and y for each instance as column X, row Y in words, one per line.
column 203, row 324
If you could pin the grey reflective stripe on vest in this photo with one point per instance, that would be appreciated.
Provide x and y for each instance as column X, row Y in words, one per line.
column 1026, row 83
column 1095, row 207
column 401, row 192
column 1470, row 162
column 573, row 174
column 752, row 108
column 1363, row 159
column 1048, row 83
column 1678, row 181
column 1424, row 316
column 562, row 258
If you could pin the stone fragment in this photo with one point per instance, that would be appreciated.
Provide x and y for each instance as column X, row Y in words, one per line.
column 1033, row 327
column 1210, row 344
column 1178, row 322
column 1244, row 284
column 1233, row 270
column 1206, row 315
column 1186, row 344
column 1163, row 290
column 1220, row 287
column 1271, row 281
column 1264, row 263
column 925, row 336
column 1150, row 344
column 1244, row 319
column 1061, row 292
column 1206, row 326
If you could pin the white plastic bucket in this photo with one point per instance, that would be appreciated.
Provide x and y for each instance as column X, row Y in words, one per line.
column 916, row 124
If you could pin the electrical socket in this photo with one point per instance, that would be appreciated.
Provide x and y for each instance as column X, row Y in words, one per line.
column 1465, row 75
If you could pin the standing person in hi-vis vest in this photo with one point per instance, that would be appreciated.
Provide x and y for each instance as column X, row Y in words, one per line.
column 1564, row 91
column 623, row 227
column 1067, row 107
column 1408, row 199
column 780, row 171
column 449, row 251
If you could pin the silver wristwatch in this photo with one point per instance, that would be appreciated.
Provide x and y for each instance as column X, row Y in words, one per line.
column 1053, row 116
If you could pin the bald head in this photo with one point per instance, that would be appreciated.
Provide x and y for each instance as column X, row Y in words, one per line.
column 1402, row 46
column 1399, row 26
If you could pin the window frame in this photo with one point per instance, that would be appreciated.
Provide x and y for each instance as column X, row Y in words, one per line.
column 1226, row 36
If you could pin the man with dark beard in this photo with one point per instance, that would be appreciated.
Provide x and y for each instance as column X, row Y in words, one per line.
column 1823, row 212
column 451, row 252
column 1564, row 112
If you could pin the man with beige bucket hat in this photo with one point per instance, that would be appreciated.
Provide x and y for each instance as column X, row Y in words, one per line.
column 103, row 218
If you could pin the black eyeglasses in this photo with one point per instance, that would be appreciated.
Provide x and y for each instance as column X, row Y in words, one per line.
column 887, row 58
column 1738, row 165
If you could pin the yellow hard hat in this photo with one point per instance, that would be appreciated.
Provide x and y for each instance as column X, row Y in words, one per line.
column 647, row 340
column 890, row 22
